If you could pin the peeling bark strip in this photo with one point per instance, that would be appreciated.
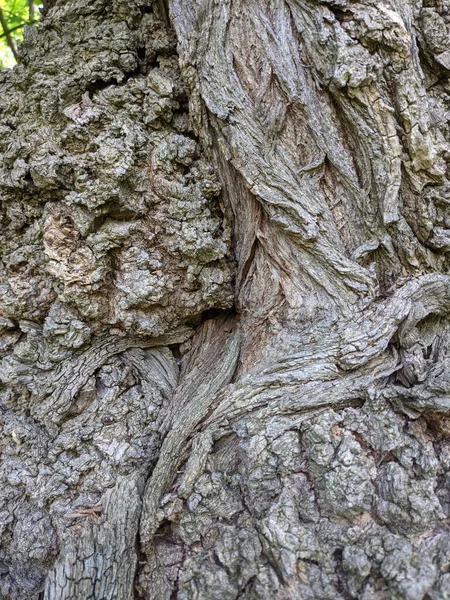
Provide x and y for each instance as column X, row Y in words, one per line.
column 103, row 562
column 225, row 302
column 216, row 355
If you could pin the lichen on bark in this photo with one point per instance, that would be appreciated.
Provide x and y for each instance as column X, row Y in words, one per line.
column 113, row 245
column 284, row 163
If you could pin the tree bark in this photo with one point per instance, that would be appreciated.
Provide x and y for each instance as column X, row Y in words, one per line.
column 225, row 302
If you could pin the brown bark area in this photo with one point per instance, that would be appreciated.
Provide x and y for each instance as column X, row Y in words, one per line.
column 225, row 302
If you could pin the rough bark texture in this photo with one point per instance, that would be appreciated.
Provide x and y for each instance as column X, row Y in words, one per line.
column 225, row 302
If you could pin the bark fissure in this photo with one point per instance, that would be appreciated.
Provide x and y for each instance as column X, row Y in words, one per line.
column 225, row 301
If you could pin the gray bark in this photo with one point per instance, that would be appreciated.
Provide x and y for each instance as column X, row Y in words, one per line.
column 225, row 302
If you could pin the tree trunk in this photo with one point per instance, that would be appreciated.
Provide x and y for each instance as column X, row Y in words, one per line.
column 225, row 302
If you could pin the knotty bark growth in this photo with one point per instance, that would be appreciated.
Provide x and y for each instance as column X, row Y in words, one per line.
column 225, row 301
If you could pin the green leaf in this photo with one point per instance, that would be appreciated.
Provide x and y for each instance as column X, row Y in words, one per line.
column 14, row 15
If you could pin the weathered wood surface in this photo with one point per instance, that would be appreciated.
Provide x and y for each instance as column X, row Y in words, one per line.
column 285, row 164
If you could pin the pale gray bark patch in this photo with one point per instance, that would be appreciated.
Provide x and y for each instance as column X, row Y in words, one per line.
column 212, row 366
column 102, row 563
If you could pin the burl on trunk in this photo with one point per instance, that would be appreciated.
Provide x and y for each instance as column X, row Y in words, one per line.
column 225, row 302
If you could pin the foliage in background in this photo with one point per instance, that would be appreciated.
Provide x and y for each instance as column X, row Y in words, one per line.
column 14, row 15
